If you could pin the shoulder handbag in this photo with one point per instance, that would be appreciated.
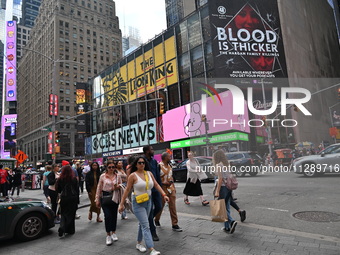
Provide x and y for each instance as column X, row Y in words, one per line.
column 145, row 196
column 107, row 198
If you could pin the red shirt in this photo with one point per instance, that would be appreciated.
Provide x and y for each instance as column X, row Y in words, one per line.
column 3, row 176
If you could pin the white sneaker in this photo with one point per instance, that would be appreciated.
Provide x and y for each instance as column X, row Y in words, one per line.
column 108, row 240
column 140, row 247
column 114, row 237
column 154, row 252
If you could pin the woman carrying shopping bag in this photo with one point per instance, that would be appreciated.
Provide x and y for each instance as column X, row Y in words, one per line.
column 221, row 164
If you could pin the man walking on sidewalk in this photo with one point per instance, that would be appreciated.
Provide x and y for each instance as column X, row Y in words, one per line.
column 169, row 188
column 153, row 167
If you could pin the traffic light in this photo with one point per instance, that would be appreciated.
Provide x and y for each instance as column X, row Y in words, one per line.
column 161, row 108
column 338, row 93
column 57, row 136
column 264, row 119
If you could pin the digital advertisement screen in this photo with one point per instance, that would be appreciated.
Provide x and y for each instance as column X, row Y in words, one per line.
column 8, row 135
column 11, row 61
column 247, row 39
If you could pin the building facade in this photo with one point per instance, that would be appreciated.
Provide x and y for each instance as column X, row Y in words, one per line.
column 82, row 38
column 192, row 57
column 30, row 10
column 176, row 10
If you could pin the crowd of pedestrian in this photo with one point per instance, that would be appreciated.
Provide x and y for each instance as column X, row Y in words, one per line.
column 142, row 187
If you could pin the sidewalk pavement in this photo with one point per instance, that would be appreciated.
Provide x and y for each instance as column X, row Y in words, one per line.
column 200, row 236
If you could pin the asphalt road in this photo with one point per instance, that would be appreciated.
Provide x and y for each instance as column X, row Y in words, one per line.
column 270, row 201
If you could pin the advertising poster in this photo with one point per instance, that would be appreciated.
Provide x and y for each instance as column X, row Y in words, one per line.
column 247, row 39
column 82, row 101
column 8, row 135
column 188, row 119
column 149, row 72
column 11, row 61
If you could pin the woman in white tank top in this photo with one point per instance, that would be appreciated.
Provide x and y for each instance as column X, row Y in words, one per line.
column 142, row 182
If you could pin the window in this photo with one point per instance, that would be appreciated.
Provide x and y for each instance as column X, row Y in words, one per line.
column 67, row 91
column 67, row 108
column 182, row 38
column 197, row 66
column 185, row 89
column 194, row 29
column 61, row 108
column 67, row 99
column 184, row 66
column 173, row 96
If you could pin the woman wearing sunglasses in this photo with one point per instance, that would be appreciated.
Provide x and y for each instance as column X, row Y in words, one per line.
column 108, row 183
column 142, row 182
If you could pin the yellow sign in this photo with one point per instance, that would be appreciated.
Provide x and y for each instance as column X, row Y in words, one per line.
column 147, row 73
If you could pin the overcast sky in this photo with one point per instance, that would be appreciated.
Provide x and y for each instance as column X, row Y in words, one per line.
column 147, row 15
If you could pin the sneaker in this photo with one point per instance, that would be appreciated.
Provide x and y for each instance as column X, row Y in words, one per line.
column 227, row 230
column 56, row 221
column 155, row 237
column 77, row 216
column 140, row 247
column 157, row 223
column 233, row 225
column 243, row 215
column 108, row 240
column 177, row 228
column 114, row 237
column 154, row 252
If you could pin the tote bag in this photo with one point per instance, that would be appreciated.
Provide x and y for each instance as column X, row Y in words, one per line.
column 218, row 210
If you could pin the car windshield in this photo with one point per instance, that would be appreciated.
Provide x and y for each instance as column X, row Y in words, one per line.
column 331, row 149
column 253, row 156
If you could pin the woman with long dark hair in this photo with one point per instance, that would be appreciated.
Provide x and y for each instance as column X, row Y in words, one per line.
column 91, row 180
column 142, row 182
column 108, row 183
column 67, row 187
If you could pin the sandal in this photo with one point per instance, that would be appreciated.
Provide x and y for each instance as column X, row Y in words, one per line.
column 186, row 201
column 99, row 219
column 90, row 216
column 205, row 202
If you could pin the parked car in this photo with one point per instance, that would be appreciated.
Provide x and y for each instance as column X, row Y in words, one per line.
column 241, row 159
column 326, row 161
column 24, row 219
column 180, row 172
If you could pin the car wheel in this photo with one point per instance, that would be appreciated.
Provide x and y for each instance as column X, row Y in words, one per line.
column 253, row 174
column 239, row 173
column 30, row 226
column 307, row 170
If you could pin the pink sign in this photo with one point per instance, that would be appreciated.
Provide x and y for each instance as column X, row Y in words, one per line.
column 186, row 121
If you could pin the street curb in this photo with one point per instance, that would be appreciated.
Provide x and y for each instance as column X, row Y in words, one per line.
column 83, row 206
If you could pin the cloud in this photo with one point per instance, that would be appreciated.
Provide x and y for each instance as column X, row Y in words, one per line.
column 148, row 16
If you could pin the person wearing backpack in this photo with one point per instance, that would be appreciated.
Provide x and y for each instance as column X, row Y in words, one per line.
column 225, row 185
column 68, row 189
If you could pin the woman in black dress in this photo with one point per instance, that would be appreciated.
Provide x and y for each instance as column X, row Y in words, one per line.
column 193, row 185
column 67, row 187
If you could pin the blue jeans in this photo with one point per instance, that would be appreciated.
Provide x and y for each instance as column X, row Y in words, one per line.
column 142, row 212
column 155, row 209
column 226, row 195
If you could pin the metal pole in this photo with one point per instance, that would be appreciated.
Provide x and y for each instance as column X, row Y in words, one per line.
column 268, row 127
column 54, row 118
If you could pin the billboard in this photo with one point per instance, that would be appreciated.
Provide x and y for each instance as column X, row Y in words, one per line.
column 188, row 119
column 150, row 71
column 83, row 96
column 11, row 61
column 8, row 135
column 247, row 39
column 130, row 136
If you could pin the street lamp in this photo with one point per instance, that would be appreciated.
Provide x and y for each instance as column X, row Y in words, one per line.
column 54, row 89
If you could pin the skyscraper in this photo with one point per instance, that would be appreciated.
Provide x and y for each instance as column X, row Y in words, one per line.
column 85, row 37
column 30, row 10
column 176, row 10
